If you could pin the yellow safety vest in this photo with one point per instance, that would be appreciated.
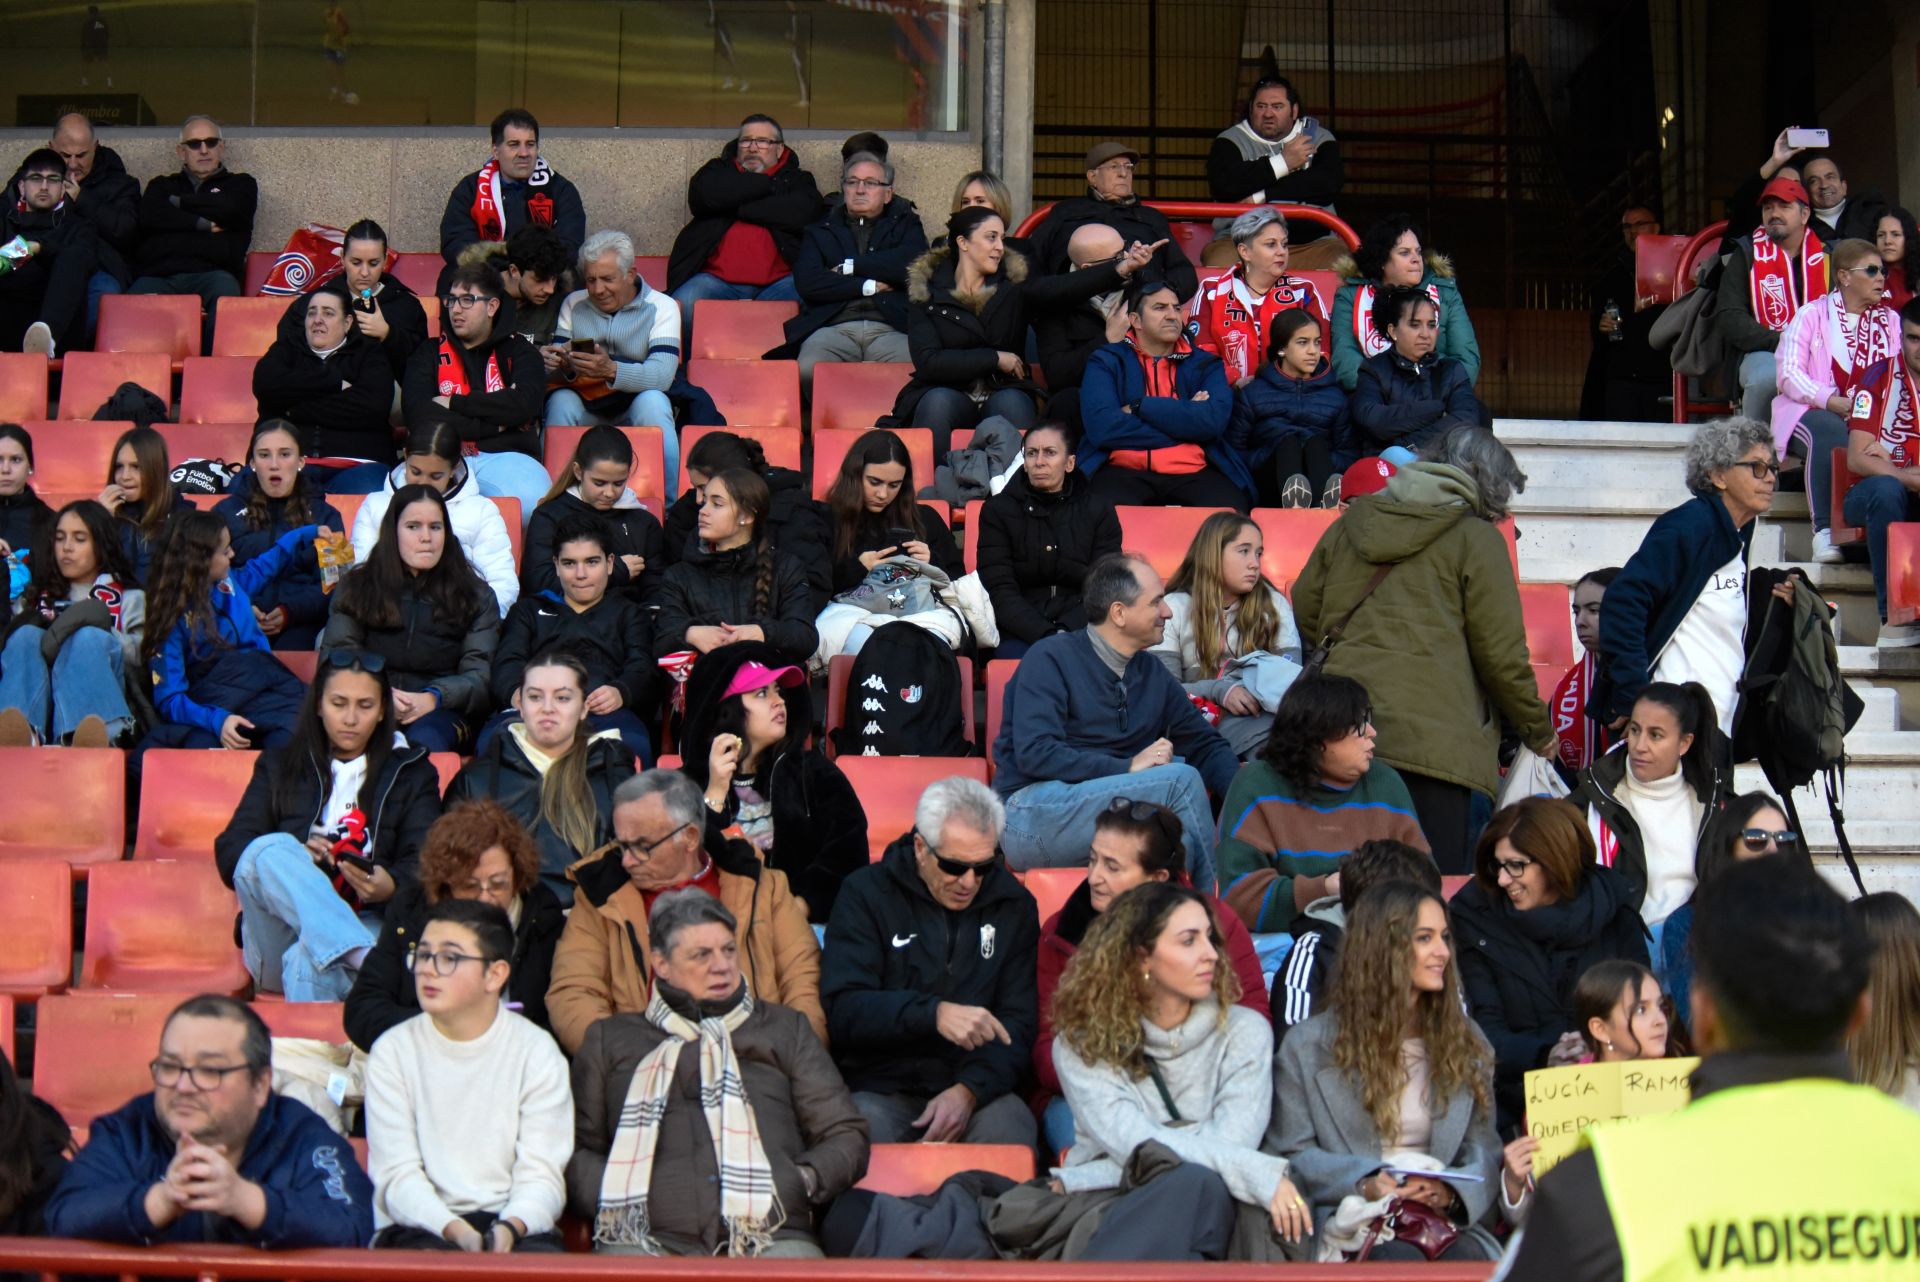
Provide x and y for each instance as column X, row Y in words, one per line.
column 1794, row 1181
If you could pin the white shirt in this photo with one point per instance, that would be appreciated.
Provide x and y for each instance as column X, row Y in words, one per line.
column 348, row 776
column 1710, row 645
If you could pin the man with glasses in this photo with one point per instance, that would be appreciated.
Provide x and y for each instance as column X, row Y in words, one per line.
column 43, row 297
column 750, row 204
column 931, row 978
column 212, row 1154
column 469, row 1106
column 852, row 273
column 514, row 189
column 100, row 189
column 1626, row 377
column 1110, row 200
column 196, row 225
column 659, row 825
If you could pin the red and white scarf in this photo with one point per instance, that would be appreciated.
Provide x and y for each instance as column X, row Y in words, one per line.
column 1372, row 342
column 490, row 210
column 1771, row 288
column 453, row 370
column 1872, row 341
column 1889, row 408
column 1582, row 739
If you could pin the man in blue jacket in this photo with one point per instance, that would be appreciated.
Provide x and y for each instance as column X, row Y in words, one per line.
column 1092, row 720
column 212, row 1154
column 1154, row 411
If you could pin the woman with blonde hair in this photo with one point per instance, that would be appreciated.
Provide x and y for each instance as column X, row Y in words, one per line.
column 1149, row 1045
column 1885, row 1049
column 1385, row 1100
column 1223, row 610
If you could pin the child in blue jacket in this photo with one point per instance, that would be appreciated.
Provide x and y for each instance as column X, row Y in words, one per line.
column 1290, row 420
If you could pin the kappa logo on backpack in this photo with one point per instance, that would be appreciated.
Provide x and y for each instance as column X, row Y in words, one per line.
column 909, row 698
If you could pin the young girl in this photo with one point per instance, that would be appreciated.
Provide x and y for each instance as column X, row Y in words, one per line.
column 594, row 482
column 214, row 675
column 1222, row 609
column 327, row 830
column 433, row 458
column 1885, row 1050
column 796, row 523
column 22, row 512
column 63, row 672
column 140, row 493
column 732, row 585
column 418, row 603
column 271, row 497
column 875, row 515
column 1290, row 420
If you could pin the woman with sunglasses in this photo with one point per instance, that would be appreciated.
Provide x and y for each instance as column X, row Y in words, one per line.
column 330, row 826
column 1134, row 842
column 477, row 850
column 1539, row 912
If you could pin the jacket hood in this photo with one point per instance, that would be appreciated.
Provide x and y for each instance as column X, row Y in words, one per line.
column 627, row 501
column 482, row 252
column 703, row 697
column 106, row 164
column 457, row 491
column 935, row 269
column 1347, row 268
column 1270, row 374
column 1422, row 502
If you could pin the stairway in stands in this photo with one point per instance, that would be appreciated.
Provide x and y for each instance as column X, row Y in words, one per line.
column 1592, row 491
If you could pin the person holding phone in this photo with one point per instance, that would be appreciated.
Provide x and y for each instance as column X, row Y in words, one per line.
column 329, row 828
column 875, row 517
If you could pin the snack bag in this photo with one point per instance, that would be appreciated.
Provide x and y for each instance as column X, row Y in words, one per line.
column 333, row 551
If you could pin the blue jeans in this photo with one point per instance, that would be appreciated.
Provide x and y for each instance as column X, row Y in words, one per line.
column 509, row 474
column 441, row 730
column 1874, row 503
column 566, row 408
column 99, row 285
column 946, row 410
column 86, row 679
column 1759, row 382
column 1056, row 1127
column 1050, row 824
column 703, row 285
column 295, row 930
column 1824, row 432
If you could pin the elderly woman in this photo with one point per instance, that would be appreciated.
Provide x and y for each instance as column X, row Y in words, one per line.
column 1678, row 611
column 656, row 1173
column 1418, row 582
column 1232, row 315
column 328, row 379
column 1393, row 253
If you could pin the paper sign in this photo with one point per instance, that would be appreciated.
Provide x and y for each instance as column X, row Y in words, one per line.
column 1563, row 1102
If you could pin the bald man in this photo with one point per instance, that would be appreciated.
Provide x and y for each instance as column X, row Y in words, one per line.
column 1067, row 338
column 107, row 196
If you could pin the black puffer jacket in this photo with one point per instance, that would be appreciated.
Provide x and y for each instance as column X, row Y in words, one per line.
column 796, row 521
column 633, row 530
column 406, row 323
column 721, row 194
column 291, row 382
column 1398, row 402
column 110, row 200
column 1519, row 969
column 1035, row 550
column 297, row 589
column 428, row 650
column 870, row 535
column 22, row 517
column 1133, row 220
column 383, row 995
column 613, row 637
column 707, row 587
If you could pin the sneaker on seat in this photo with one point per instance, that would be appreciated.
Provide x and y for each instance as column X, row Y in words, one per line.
column 1823, row 549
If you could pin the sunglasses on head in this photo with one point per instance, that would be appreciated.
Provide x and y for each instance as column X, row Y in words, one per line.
column 1757, row 838
column 365, row 660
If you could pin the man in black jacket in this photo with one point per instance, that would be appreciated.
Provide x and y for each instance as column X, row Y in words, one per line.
column 108, row 196
column 928, row 977
column 1069, row 336
column 195, row 225
column 43, row 298
column 1277, row 153
column 750, row 206
column 852, row 273
column 1110, row 200
column 514, row 189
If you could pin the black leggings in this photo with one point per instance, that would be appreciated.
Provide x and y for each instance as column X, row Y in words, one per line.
column 1311, row 456
column 1130, row 487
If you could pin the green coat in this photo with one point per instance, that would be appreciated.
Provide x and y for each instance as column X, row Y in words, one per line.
column 1440, row 644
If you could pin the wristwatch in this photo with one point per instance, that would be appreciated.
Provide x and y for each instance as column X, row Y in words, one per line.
column 869, row 288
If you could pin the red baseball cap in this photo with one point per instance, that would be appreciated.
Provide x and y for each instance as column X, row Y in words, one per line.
column 1368, row 476
column 1785, row 189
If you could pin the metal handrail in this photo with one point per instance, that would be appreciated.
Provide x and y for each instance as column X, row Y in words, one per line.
column 1203, row 209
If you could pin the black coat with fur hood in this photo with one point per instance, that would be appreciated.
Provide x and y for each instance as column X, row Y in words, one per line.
column 956, row 337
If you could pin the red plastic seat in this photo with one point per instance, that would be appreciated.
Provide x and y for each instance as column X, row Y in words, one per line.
column 87, row 379
column 259, row 266
column 161, row 926
column 739, row 330
column 36, row 949
column 999, row 672
column 781, row 445
column 841, row 665
column 907, row 1170
column 830, row 446
column 247, row 326
column 755, row 393
column 420, row 273
column 647, row 480
column 304, row 664
column 1161, row 534
column 222, row 439
column 1546, row 679
column 1451, row 886
column 1288, row 536
column 510, row 513
column 430, row 304
column 165, row 323
column 91, row 1050
column 652, row 268
column 320, row 1021
column 187, row 795
column 66, row 804
column 1656, row 271
column 23, row 387
column 1844, row 477
column 1327, row 282
column 889, row 788
column 1050, row 887
column 6, row 1027
column 72, row 458
column 1546, row 609
column 854, row 396
column 1903, row 571
column 218, row 389
column 446, row 765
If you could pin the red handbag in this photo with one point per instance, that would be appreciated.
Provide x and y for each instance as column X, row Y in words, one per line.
column 1414, row 1223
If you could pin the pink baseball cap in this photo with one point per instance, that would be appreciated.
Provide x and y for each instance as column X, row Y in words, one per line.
column 751, row 676
column 1368, row 476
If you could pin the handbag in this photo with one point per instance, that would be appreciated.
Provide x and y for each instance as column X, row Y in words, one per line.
column 1414, row 1223
column 1317, row 657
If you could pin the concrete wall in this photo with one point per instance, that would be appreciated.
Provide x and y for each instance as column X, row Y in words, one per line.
column 633, row 181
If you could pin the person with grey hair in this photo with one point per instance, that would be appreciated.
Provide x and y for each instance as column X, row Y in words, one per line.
column 659, row 844
column 1092, row 715
column 633, row 335
column 852, row 273
column 930, row 979
column 195, row 225
column 656, row 1172
column 1678, row 610
column 1413, row 594
column 1232, row 315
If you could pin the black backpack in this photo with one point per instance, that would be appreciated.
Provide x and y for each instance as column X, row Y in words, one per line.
column 903, row 698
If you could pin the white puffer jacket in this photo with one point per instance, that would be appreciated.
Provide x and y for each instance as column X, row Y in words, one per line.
column 477, row 523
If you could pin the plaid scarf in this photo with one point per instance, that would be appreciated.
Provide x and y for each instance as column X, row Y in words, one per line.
column 749, row 1207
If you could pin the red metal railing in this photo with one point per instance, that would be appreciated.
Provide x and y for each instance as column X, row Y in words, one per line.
column 1197, row 209
column 1684, row 408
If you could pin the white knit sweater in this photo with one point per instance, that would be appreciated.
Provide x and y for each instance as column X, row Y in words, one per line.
column 1668, row 816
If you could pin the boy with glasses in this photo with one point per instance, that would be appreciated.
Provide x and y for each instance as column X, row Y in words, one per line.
column 196, row 224
column 469, row 1105
column 51, row 254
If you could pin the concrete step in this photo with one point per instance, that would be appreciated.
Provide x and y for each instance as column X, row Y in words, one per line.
column 1882, row 786
column 1868, row 668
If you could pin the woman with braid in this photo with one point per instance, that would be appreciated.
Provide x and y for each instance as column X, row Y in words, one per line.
column 732, row 584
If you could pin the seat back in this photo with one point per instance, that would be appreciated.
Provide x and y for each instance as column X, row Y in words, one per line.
column 1050, row 887
column 160, row 926
column 187, row 795
column 218, row 389
column 259, row 267
column 419, row 273
column 6, row 1028
column 348, row 506
column 830, row 446
column 908, row 1170
column 87, row 379
column 23, row 387
column 856, row 395
column 647, row 478
column 754, row 393
column 1546, row 610
column 247, row 326
column 168, row 324
column 999, row 672
column 319, row 1021
column 516, row 533
column 1903, row 572
column 652, row 268
column 91, row 1050
column 1161, row 534
column 1288, row 536
column 889, row 788
column 781, row 445
column 304, row 664
column 1656, row 271
column 68, row 805
column 446, row 765
column 223, row 440
column 739, row 330
column 36, row 948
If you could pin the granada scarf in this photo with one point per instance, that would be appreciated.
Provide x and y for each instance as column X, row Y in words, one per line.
column 1372, row 342
column 490, row 212
column 1771, row 289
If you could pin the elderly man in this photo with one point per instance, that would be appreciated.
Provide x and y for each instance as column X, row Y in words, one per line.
column 43, row 299
column 1063, row 754
column 659, row 823
column 751, row 204
column 1110, row 200
column 106, row 195
column 657, row 1174
column 195, row 225
column 514, row 189
column 930, row 983
column 1773, row 273
column 852, row 273
column 1835, row 216
column 615, row 349
column 1069, row 336
column 212, row 1154
column 1276, row 154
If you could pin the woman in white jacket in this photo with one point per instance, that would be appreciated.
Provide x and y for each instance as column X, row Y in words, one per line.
column 432, row 457
column 1223, row 609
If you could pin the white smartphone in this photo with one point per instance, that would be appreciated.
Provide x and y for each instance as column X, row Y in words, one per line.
column 1806, row 137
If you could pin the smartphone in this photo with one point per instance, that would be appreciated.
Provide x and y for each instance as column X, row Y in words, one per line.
column 1806, row 137
column 363, row 303
column 582, row 345
column 361, row 862
column 901, row 534
column 255, row 736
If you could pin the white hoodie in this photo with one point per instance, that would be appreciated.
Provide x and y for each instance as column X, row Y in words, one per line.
column 477, row 523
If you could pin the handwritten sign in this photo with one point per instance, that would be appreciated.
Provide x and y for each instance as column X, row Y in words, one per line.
column 1563, row 1102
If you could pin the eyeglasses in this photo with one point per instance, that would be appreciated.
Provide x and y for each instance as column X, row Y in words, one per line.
column 473, row 887
column 43, row 178
column 441, row 963
column 365, row 660
column 757, row 142
column 205, row 1077
column 1514, row 868
column 464, row 300
column 201, row 144
column 1119, row 166
column 1874, row 270
column 865, row 184
column 1761, row 468
column 958, row 868
column 645, row 849
column 1756, row 839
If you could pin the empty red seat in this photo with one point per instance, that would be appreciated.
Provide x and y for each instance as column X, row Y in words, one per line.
column 781, row 445
column 88, row 379
column 1051, row 887
column 841, row 665
column 224, row 439
column 510, row 513
column 420, row 273
column 161, row 926
column 856, row 395
column 1546, row 610
column 36, row 948
column 742, row 330
column 830, row 446
column 187, row 795
column 259, row 266
column 247, row 326
column 754, row 393
column 889, row 788
column 1656, row 271
column 1162, row 535
column 72, row 458
column 304, row 664
column 23, row 387
column 652, row 268
column 91, row 1050
column 218, row 389
column 647, row 480
column 999, row 672
column 165, row 323
column 68, row 804
column 908, row 1170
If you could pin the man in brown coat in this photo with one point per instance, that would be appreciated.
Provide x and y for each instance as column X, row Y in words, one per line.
column 600, row 966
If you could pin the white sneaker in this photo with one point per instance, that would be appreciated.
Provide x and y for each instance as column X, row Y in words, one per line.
column 39, row 338
column 1823, row 550
column 1898, row 636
